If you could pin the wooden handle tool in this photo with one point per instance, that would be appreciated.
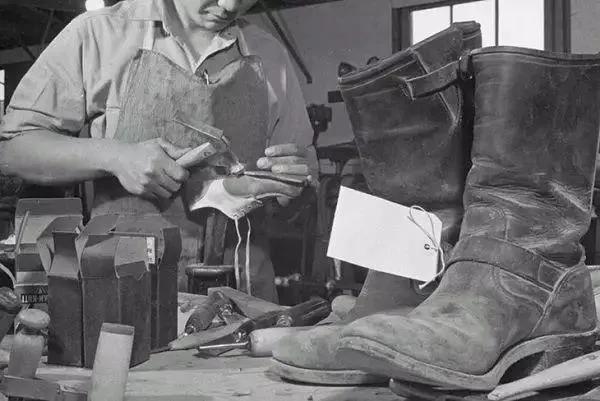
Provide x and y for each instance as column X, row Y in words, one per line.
column 260, row 342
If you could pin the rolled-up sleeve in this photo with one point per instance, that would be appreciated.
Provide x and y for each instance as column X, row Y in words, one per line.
column 51, row 95
column 293, row 125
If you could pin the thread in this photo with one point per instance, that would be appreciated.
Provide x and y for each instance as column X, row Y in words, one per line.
column 431, row 235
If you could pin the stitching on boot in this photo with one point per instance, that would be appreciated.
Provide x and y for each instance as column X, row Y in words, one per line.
column 573, row 272
column 376, row 77
column 531, row 257
column 511, row 296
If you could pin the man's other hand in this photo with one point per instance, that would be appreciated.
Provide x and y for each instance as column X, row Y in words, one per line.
column 148, row 169
column 286, row 159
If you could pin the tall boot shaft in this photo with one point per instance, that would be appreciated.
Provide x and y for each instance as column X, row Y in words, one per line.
column 414, row 152
column 516, row 286
column 534, row 149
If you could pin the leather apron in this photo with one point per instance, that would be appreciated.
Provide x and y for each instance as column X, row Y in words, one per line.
column 232, row 98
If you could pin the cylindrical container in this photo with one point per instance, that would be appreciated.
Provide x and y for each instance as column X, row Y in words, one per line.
column 111, row 364
column 28, row 343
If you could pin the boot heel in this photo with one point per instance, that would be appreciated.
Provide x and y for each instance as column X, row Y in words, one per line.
column 568, row 348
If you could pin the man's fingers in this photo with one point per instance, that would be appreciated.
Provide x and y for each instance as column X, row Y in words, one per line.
column 160, row 191
column 268, row 162
column 292, row 169
column 286, row 149
column 247, row 186
column 176, row 172
column 173, row 151
column 270, row 187
column 168, row 183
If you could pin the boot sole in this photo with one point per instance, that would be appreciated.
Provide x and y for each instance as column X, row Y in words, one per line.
column 532, row 356
column 327, row 377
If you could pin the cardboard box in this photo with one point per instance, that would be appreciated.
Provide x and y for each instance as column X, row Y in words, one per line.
column 32, row 220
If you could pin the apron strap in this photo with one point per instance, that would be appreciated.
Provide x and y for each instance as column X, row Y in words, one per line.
column 150, row 35
column 217, row 61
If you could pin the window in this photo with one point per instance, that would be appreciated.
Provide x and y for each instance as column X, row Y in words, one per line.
column 503, row 22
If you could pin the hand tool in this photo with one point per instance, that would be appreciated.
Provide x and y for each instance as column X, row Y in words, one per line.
column 296, row 180
column 304, row 314
column 196, row 155
column 19, row 388
column 573, row 371
column 259, row 343
column 251, row 307
column 222, row 146
column 217, row 304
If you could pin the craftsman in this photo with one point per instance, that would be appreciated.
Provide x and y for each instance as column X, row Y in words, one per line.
column 83, row 78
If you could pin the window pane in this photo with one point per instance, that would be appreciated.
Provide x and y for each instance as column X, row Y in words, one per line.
column 482, row 12
column 428, row 22
column 521, row 23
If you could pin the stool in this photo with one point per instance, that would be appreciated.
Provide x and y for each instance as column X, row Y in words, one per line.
column 202, row 277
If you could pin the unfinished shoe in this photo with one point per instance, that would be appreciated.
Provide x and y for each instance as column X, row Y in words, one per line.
column 237, row 196
column 413, row 153
column 516, row 288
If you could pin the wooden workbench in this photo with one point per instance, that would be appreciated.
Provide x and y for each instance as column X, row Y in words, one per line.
column 185, row 376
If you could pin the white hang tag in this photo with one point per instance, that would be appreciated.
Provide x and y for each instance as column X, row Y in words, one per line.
column 381, row 235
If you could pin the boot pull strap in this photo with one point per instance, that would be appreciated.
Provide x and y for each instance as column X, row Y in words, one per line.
column 437, row 80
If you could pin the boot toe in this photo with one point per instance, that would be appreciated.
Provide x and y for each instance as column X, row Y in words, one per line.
column 310, row 349
column 432, row 341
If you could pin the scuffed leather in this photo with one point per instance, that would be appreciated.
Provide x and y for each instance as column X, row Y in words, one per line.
column 412, row 154
column 316, row 348
column 571, row 307
column 535, row 141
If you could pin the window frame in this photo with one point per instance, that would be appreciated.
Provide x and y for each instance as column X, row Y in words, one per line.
column 557, row 22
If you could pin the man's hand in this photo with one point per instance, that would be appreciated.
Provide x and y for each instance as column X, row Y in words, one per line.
column 245, row 187
column 148, row 169
column 286, row 159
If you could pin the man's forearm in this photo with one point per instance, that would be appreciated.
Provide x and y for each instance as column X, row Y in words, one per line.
column 48, row 158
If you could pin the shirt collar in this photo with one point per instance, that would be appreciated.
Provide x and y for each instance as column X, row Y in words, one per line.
column 154, row 10
column 145, row 10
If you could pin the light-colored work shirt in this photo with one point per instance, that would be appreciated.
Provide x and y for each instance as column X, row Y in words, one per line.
column 81, row 77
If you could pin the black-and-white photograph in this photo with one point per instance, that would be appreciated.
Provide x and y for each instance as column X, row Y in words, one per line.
column 299, row 200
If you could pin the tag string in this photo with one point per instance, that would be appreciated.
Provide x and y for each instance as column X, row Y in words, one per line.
column 431, row 235
column 248, row 284
column 236, row 259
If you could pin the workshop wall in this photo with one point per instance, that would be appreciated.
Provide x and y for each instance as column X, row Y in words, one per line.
column 585, row 30
column 326, row 34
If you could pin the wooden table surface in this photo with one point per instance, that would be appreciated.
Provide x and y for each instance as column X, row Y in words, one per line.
column 184, row 376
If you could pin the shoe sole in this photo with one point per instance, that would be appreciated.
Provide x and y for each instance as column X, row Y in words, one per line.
column 426, row 393
column 536, row 354
column 326, row 377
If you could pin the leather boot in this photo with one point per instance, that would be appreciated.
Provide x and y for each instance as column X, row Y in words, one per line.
column 413, row 153
column 516, row 288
